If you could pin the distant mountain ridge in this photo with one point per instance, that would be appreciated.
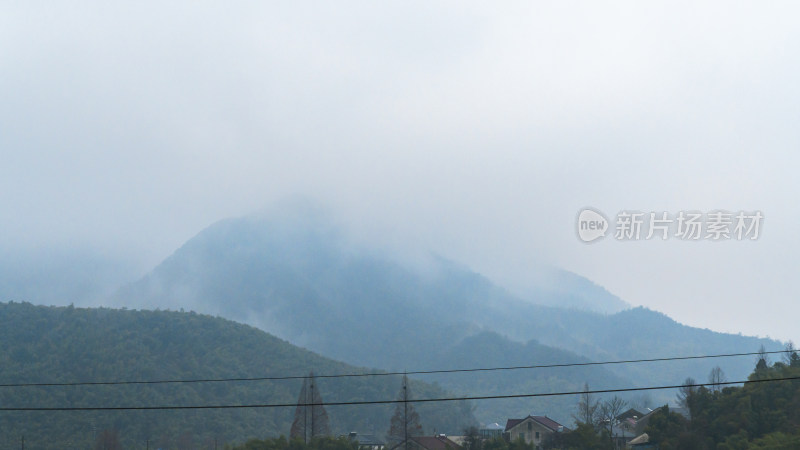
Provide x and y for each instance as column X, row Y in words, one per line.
column 61, row 276
column 300, row 278
column 564, row 289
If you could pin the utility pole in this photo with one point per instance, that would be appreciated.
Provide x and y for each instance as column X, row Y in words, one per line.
column 23, row 442
column 311, row 393
column 405, row 409
column 305, row 419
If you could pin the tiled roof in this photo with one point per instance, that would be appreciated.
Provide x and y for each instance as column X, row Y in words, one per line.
column 630, row 413
column 548, row 422
column 512, row 423
column 435, row 442
column 544, row 420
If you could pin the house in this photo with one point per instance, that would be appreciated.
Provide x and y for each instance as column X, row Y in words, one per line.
column 491, row 431
column 629, row 414
column 532, row 429
column 438, row 442
column 367, row 441
column 621, row 437
column 643, row 421
column 625, row 428
column 642, row 440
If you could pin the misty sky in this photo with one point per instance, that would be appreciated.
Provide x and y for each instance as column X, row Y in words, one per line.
column 475, row 130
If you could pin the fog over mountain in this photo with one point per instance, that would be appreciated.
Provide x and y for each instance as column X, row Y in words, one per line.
column 277, row 268
column 557, row 287
column 472, row 130
column 299, row 276
column 455, row 147
column 63, row 275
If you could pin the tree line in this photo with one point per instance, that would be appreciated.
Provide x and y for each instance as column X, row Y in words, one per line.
column 760, row 414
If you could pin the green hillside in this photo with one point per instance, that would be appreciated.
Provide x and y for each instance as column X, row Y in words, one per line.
column 67, row 344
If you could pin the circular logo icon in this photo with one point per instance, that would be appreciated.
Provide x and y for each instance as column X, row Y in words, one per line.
column 592, row 225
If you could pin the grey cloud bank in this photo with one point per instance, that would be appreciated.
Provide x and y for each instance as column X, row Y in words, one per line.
column 476, row 132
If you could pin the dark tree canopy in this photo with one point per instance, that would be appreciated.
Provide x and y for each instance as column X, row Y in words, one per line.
column 760, row 414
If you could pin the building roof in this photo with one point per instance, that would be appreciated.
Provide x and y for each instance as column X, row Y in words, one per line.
column 651, row 412
column 543, row 420
column 435, row 442
column 512, row 423
column 458, row 439
column 630, row 414
column 641, row 424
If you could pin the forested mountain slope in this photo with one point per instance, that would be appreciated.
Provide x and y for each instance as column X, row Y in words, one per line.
column 66, row 345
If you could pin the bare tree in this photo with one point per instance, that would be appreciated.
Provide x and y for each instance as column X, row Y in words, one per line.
column 608, row 412
column 686, row 392
column 715, row 377
column 790, row 358
column 587, row 408
column 405, row 421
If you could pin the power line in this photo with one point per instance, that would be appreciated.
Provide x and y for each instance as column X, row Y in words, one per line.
column 377, row 374
column 383, row 402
